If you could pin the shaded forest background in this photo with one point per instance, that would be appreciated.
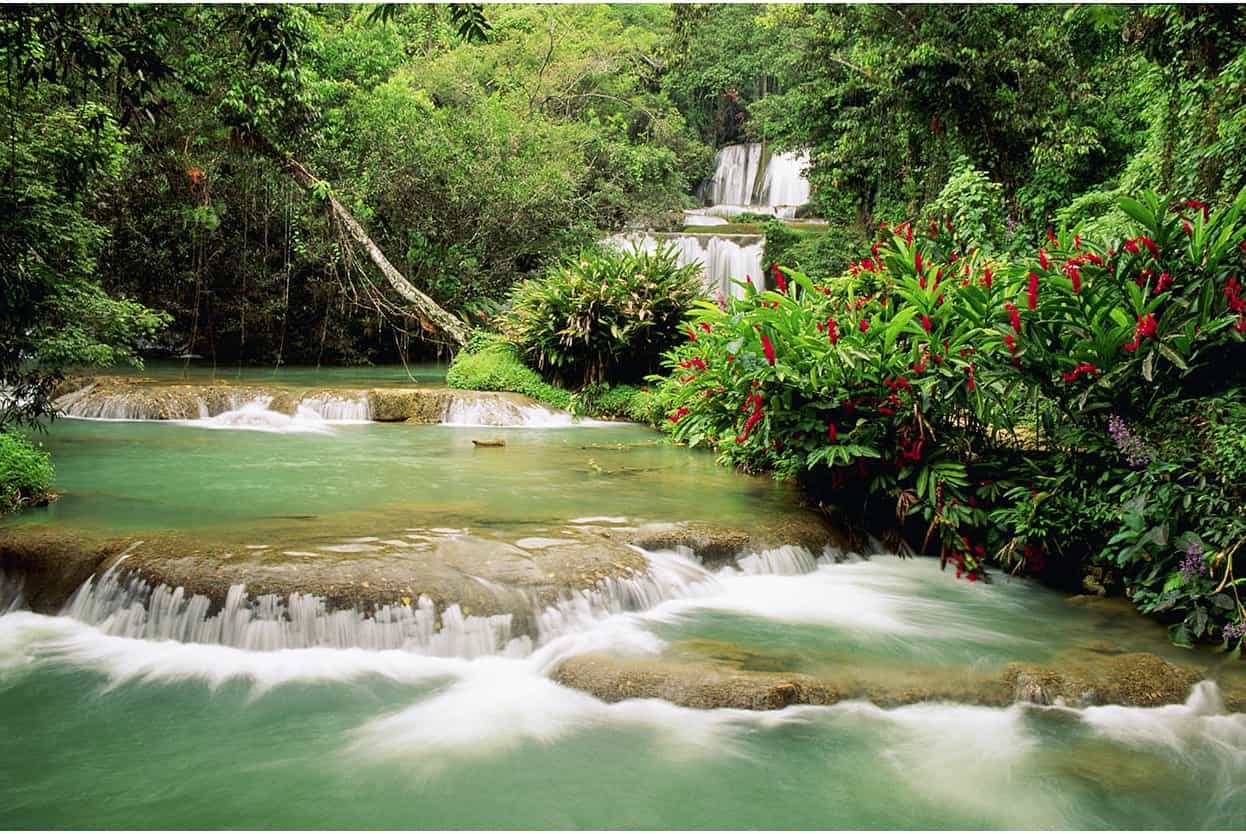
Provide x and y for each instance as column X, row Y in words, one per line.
column 143, row 145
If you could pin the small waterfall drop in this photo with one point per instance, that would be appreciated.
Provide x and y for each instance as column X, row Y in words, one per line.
column 741, row 184
column 467, row 410
column 338, row 408
column 129, row 606
column 725, row 259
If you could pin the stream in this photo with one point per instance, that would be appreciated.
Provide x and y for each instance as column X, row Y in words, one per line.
column 134, row 707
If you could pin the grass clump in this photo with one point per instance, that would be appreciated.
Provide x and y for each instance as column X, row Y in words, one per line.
column 490, row 363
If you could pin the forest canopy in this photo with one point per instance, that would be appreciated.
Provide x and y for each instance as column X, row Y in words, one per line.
column 146, row 204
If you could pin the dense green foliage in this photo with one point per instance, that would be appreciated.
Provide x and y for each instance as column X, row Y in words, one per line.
column 53, row 312
column 602, row 314
column 1011, row 411
column 25, row 473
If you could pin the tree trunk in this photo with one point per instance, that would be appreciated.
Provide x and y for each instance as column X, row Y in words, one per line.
column 428, row 311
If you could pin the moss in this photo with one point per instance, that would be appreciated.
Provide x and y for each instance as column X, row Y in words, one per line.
column 490, row 363
column 25, row 473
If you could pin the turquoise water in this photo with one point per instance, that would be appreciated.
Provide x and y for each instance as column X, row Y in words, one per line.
column 294, row 376
column 371, row 478
column 106, row 731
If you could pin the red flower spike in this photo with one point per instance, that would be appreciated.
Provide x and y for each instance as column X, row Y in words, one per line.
column 832, row 434
column 705, row 326
column 768, row 348
column 1195, row 204
column 692, row 337
column 1077, row 242
column 1164, row 284
column 1031, row 293
column 778, row 278
column 1014, row 317
column 1042, row 259
column 1052, row 238
column 865, row 325
column 832, row 331
column 926, row 323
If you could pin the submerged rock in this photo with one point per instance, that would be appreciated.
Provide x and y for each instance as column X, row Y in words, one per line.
column 716, row 545
column 1135, row 679
column 1093, row 678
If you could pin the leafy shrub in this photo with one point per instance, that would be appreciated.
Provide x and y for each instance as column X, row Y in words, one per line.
column 606, row 314
column 1008, row 411
column 490, row 363
column 973, row 205
column 628, row 402
column 25, row 473
column 826, row 251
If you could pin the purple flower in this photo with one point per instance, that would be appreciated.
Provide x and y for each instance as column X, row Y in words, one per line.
column 1235, row 631
column 1193, row 565
column 1128, row 443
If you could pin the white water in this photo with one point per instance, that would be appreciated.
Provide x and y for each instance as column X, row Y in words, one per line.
column 486, row 410
column 735, row 187
column 725, row 259
column 242, row 409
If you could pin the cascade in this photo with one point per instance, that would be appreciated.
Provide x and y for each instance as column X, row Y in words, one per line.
column 465, row 409
column 724, row 258
column 126, row 605
column 747, row 179
column 129, row 606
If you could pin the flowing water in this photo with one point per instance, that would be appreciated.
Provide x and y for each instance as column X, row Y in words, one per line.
column 727, row 260
column 137, row 707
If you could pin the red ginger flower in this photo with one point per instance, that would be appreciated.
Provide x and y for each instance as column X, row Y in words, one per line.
column 679, row 412
column 768, row 348
column 1074, row 272
column 1084, row 368
column 705, row 326
column 1031, row 293
column 1014, row 317
column 1052, row 238
column 1164, row 284
column 926, row 323
column 832, row 331
column 1042, row 259
column 778, row 280
column 1195, row 204
column 865, row 325
column 832, row 434
column 692, row 337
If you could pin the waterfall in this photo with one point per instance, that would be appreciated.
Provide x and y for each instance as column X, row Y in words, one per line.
column 468, row 409
column 338, row 408
column 724, row 258
column 216, row 408
column 129, row 606
column 740, row 183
